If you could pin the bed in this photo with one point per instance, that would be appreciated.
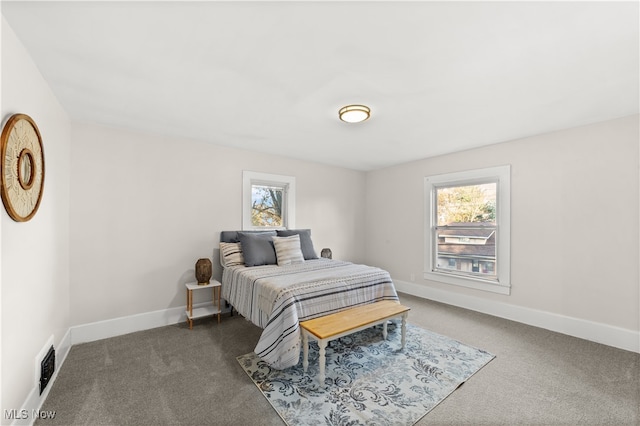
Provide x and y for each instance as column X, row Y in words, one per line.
column 284, row 282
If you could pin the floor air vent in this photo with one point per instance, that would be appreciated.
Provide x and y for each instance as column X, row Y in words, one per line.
column 47, row 367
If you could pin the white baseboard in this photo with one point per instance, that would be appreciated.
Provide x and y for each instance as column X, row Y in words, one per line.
column 130, row 324
column 589, row 330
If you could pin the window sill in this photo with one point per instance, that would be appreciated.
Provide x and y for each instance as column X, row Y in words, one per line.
column 476, row 284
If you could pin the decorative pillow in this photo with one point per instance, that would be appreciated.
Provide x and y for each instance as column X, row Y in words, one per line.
column 305, row 241
column 257, row 248
column 231, row 254
column 288, row 250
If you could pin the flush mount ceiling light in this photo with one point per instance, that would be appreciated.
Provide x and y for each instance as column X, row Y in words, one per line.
column 354, row 113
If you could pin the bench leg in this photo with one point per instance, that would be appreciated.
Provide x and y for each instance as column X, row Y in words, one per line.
column 404, row 329
column 322, row 344
column 384, row 330
column 305, row 350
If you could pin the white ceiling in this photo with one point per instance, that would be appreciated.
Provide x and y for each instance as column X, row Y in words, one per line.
column 270, row 76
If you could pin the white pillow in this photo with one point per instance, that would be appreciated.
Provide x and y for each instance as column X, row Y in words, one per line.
column 288, row 250
column 231, row 254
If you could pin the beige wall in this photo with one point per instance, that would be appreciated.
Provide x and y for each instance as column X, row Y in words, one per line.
column 35, row 254
column 574, row 216
column 144, row 208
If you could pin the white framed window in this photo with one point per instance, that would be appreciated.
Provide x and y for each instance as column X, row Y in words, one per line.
column 268, row 201
column 467, row 229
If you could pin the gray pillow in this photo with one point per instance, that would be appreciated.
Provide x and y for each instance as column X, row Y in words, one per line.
column 257, row 248
column 305, row 241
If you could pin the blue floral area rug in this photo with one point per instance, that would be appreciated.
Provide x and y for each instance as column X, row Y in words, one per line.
column 369, row 381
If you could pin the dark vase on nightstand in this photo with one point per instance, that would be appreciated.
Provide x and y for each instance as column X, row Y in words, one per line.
column 203, row 271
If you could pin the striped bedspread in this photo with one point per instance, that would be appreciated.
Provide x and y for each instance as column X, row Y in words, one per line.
column 276, row 298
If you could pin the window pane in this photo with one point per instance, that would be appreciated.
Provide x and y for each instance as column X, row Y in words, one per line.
column 466, row 204
column 466, row 231
column 266, row 205
column 465, row 250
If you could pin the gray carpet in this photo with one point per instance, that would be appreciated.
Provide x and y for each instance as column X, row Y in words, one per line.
column 176, row 376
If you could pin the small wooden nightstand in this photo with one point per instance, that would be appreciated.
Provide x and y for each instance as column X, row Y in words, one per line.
column 203, row 311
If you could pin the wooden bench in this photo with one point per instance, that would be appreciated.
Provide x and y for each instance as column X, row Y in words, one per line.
column 333, row 326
